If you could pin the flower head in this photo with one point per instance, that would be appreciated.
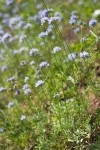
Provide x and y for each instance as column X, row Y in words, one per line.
column 10, row 104
column 39, row 82
column 32, row 62
column 33, row 51
column 2, row 130
column 18, row 92
column 84, row 54
column 27, row 91
column 72, row 56
column 25, row 86
column 44, row 64
column 9, row 2
column 11, row 79
column 76, row 30
column 5, row 37
column 42, row 34
column 92, row 23
column 56, row 49
column 23, row 117
column 2, row 89
column 22, row 37
column 4, row 68
column 73, row 19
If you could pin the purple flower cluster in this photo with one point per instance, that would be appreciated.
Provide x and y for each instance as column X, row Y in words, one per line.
column 44, row 64
column 39, row 83
column 26, row 89
column 56, row 49
column 83, row 54
column 92, row 23
column 73, row 18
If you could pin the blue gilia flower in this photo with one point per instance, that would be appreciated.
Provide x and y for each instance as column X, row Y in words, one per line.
column 72, row 56
column 56, row 49
column 2, row 130
column 23, row 117
column 4, row 68
column 92, row 23
column 33, row 51
column 17, row 91
column 39, row 82
column 25, row 86
column 84, row 54
column 44, row 64
column 10, row 104
column 27, row 91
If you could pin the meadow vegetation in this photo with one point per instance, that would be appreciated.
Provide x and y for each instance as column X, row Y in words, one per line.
column 49, row 75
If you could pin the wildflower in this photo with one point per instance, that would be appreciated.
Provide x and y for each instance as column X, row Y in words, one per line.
column 10, row 104
column 56, row 49
column 80, row 22
column 49, row 30
column 32, row 62
column 39, row 82
column 12, row 22
column 92, row 23
column 73, row 19
column 42, row 34
column 25, row 86
column 2, row 130
column 44, row 13
column 74, row 12
column 84, row 54
column 19, row 25
column 44, row 64
column 83, row 39
column 23, row 117
column 38, row 6
column 18, row 92
column 72, row 56
column 27, row 91
column 4, row 68
column 52, row 19
column 11, row 39
column 33, row 51
column 76, row 30
column 9, row 2
column 58, row 14
column 44, row 19
column 5, row 36
column 11, row 79
column 22, row 37
column 2, row 89
column 27, row 26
